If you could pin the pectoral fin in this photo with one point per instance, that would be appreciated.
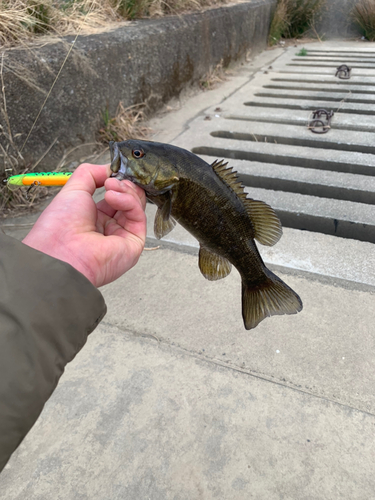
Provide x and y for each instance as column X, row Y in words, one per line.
column 212, row 266
column 164, row 222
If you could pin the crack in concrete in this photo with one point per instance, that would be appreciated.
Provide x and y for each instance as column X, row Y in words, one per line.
column 257, row 375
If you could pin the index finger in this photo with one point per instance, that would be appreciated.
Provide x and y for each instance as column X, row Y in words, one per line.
column 116, row 185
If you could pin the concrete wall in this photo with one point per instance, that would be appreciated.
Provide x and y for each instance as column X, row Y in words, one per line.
column 147, row 61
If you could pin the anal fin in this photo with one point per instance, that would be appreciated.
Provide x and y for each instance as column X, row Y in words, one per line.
column 213, row 266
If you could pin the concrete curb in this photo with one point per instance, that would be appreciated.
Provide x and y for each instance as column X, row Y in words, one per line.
column 147, row 61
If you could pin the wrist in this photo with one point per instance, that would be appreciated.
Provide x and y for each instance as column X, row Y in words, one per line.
column 63, row 254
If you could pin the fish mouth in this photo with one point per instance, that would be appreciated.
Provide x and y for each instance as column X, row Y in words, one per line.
column 119, row 164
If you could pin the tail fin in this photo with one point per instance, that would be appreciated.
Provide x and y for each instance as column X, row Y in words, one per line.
column 270, row 298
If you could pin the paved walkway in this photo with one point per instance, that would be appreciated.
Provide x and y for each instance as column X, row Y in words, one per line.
column 172, row 399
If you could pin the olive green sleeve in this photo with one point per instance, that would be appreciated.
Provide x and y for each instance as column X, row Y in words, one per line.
column 47, row 310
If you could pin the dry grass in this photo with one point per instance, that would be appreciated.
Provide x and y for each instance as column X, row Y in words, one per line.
column 128, row 123
column 14, row 163
column 293, row 18
column 364, row 15
column 24, row 20
column 14, row 202
column 214, row 76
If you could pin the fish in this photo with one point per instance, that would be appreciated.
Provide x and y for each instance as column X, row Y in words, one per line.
column 210, row 202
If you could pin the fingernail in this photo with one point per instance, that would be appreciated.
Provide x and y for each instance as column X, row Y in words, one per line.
column 118, row 185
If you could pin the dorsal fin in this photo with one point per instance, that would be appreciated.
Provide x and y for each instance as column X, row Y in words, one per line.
column 219, row 165
column 266, row 224
column 230, row 177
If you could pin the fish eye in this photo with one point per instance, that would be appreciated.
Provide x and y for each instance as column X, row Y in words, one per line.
column 138, row 153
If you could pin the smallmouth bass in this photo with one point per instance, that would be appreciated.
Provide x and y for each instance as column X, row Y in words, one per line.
column 210, row 202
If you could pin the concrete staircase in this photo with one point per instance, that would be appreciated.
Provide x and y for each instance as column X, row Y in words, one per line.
column 320, row 183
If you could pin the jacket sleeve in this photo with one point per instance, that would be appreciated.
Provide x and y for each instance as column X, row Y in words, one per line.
column 47, row 310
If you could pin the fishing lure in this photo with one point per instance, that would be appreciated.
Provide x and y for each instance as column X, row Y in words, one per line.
column 38, row 179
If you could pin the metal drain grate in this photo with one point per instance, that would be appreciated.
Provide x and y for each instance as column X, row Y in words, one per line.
column 318, row 183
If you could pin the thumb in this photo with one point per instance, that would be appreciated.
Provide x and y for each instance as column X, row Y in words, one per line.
column 88, row 177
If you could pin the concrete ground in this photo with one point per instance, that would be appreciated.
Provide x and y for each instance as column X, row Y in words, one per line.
column 173, row 399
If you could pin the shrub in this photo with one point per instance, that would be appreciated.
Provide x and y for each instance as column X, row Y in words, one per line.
column 292, row 18
column 364, row 16
column 302, row 52
column 279, row 23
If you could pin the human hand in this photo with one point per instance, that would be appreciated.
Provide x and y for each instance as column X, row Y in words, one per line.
column 103, row 240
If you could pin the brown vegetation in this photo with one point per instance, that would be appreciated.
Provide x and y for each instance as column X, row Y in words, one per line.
column 293, row 18
column 128, row 123
column 22, row 20
column 364, row 15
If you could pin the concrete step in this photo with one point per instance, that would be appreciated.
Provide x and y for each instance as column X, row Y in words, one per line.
column 341, row 140
column 348, row 57
column 317, row 95
column 328, row 216
column 321, row 70
column 322, row 87
column 362, row 81
column 341, row 121
column 307, row 94
column 335, row 62
column 317, row 182
column 297, row 156
column 310, row 105
column 321, row 184
column 362, row 63
column 363, row 52
column 300, row 210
